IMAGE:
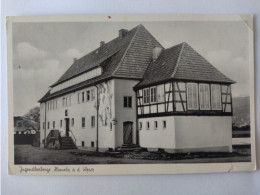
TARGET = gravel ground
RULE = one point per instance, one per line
(26, 154)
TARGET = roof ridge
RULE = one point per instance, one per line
(122, 59)
(178, 60)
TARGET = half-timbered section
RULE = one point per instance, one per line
(184, 100)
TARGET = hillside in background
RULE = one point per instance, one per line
(241, 111)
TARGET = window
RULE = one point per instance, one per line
(83, 122)
(63, 102)
(146, 96)
(43, 125)
(48, 125)
(92, 94)
(92, 144)
(215, 97)
(204, 96)
(153, 95)
(69, 101)
(82, 143)
(128, 102)
(160, 93)
(83, 96)
(60, 123)
(93, 121)
(72, 122)
(53, 124)
(88, 95)
(140, 125)
(155, 125)
(192, 96)
(164, 124)
(148, 125)
(111, 126)
(78, 98)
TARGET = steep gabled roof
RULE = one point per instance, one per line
(126, 57)
(182, 62)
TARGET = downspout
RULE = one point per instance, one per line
(45, 126)
(97, 107)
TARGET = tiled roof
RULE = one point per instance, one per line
(126, 57)
(181, 62)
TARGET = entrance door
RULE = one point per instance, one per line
(67, 121)
(128, 132)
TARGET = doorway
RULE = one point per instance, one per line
(128, 132)
(67, 125)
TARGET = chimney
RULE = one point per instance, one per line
(102, 43)
(122, 33)
(74, 59)
(156, 52)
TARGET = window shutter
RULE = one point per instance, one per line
(215, 97)
(204, 96)
(192, 96)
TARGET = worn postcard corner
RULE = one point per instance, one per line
(134, 94)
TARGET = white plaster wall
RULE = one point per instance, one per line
(124, 88)
(160, 137)
(203, 131)
(77, 111)
(106, 135)
(42, 115)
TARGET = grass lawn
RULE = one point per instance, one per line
(26, 154)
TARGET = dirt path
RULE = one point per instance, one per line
(26, 154)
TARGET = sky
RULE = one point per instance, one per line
(42, 52)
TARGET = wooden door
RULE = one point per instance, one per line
(128, 132)
(67, 121)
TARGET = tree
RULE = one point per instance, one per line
(32, 119)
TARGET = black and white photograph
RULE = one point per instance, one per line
(102, 95)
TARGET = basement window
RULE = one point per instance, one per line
(164, 124)
(155, 125)
(148, 125)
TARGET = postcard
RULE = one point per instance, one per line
(131, 94)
